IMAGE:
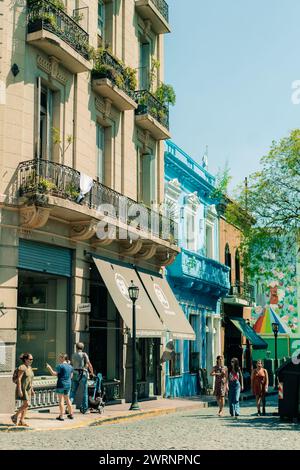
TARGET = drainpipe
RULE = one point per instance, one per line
(75, 84)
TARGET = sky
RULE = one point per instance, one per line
(232, 64)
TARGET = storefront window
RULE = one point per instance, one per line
(42, 320)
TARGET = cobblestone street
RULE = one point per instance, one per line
(195, 429)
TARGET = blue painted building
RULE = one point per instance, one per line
(197, 277)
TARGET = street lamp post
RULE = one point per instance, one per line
(133, 292)
(275, 328)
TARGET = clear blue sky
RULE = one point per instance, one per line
(232, 64)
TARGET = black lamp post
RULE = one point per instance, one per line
(275, 328)
(133, 292)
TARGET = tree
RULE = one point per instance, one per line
(267, 208)
(272, 195)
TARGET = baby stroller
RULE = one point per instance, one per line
(96, 394)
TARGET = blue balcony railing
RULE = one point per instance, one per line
(202, 269)
(180, 155)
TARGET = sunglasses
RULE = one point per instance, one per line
(29, 360)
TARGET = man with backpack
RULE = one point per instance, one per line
(81, 368)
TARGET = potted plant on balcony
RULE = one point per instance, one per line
(72, 191)
(43, 13)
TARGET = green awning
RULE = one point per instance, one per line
(246, 330)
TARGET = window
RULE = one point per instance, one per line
(100, 130)
(45, 114)
(101, 18)
(175, 365)
(194, 353)
(146, 178)
(144, 67)
(42, 318)
(175, 362)
(237, 271)
(228, 260)
(209, 241)
(190, 231)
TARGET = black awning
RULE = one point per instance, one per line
(246, 330)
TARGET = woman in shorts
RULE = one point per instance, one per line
(64, 372)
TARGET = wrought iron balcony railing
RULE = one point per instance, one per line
(39, 178)
(148, 104)
(162, 7)
(109, 67)
(42, 14)
(242, 290)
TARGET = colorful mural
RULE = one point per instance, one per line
(276, 280)
(263, 324)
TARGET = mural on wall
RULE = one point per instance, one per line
(276, 279)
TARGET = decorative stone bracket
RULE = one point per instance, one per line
(131, 248)
(166, 258)
(83, 230)
(147, 251)
(34, 216)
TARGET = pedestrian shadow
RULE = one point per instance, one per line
(268, 422)
(265, 423)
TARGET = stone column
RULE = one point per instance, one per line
(9, 242)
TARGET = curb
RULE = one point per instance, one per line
(109, 420)
(134, 416)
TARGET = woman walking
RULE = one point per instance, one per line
(220, 373)
(259, 386)
(24, 389)
(64, 372)
(236, 385)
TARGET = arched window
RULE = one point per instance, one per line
(237, 271)
(228, 260)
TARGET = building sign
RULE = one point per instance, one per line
(84, 308)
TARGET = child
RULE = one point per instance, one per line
(64, 373)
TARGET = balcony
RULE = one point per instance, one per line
(240, 293)
(179, 157)
(115, 82)
(46, 187)
(201, 274)
(151, 115)
(156, 11)
(54, 32)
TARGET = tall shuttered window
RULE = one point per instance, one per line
(45, 122)
(101, 18)
(100, 153)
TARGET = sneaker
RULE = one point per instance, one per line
(60, 418)
(70, 416)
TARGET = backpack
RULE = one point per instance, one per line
(15, 376)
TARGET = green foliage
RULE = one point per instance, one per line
(268, 207)
(56, 139)
(223, 179)
(273, 193)
(130, 78)
(72, 191)
(123, 76)
(45, 185)
(165, 94)
(155, 65)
